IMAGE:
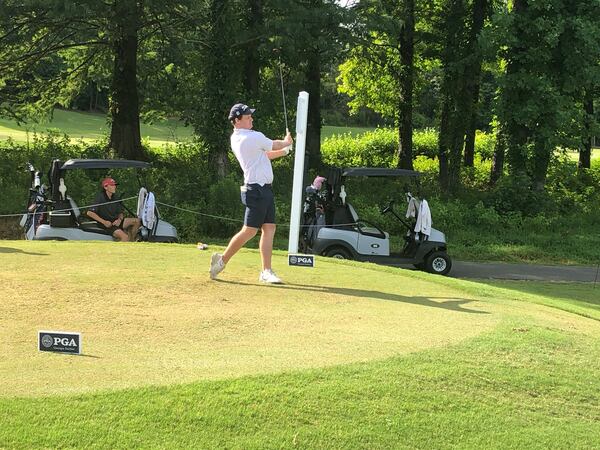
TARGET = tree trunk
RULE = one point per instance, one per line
(454, 106)
(457, 144)
(252, 63)
(469, 159)
(443, 147)
(498, 159)
(125, 137)
(542, 150)
(405, 152)
(313, 129)
(517, 133)
(585, 152)
(210, 122)
(480, 11)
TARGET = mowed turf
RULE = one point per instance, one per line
(149, 315)
(357, 356)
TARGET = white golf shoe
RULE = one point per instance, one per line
(269, 277)
(216, 265)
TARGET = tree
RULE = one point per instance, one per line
(579, 51)
(380, 72)
(35, 37)
(124, 108)
(49, 48)
(530, 100)
(479, 13)
(456, 101)
(310, 38)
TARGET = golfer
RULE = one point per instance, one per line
(254, 151)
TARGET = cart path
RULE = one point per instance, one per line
(533, 272)
(514, 271)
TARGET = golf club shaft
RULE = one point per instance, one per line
(283, 98)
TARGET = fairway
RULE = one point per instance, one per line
(149, 315)
(90, 127)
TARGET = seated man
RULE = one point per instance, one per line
(110, 215)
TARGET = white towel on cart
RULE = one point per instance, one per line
(423, 224)
(148, 216)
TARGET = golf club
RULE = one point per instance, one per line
(283, 97)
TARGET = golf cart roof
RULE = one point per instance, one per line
(378, 172)
(103, 164)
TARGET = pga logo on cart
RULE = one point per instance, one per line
(59, 342)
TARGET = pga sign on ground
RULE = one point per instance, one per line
(301, 260)
(59, 342)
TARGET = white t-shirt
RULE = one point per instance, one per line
(249, 147)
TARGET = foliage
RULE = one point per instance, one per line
(551, 56)
(378, 148)
(508, 222)
(374, 148)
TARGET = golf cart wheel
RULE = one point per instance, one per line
(438, 262)
(338, 253)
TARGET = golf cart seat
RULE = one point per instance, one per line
(91, 226)
(65, 213)
(84, 222)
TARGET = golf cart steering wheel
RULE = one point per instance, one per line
(386, 209)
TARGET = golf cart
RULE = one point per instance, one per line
(331, 227)
(53, 215)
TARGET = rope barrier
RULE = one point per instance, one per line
(212, 216)
(241, 221)
(199, 213)
(72, 209)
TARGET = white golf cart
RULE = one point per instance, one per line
(331, 227)
(54, 215)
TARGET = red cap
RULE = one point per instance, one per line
(108, 182)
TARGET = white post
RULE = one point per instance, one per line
(297, 189)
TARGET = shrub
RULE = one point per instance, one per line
(379, 148)
(425, 143)
(484, 145)
(371, 149)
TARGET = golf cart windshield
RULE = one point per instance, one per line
(58, 169)
(104, 164)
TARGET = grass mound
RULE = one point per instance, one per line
(149, 315)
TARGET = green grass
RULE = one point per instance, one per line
(90, 127)
(574, 156)
(347, 355)
(535, 248)
(93, 126)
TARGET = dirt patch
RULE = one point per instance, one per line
(10, 229)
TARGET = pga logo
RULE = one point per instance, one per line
(61, 342)
(302, 260)
(47, 340)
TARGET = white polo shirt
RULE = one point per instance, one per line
(249, 147)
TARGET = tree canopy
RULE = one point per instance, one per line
(527, 69)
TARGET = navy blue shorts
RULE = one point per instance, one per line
(259, 203)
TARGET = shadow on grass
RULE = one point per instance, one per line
(18, 250)
(453, 305)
